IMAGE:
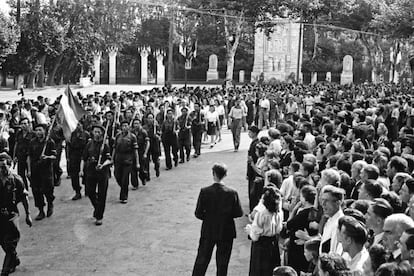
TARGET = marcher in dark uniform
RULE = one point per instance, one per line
(251, 173)
(12, 192)
(184, 134)
(96, 175)
(154, 133)
(77, 143)
(143, 142)
(40, 170)
(169, 139)
(21, 149)
(126, 151)
(197, 125)
(58, 137)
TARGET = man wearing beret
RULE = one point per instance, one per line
(40, 170)
(95, 165)
(12, 191)
(184, 135)
(125, 153)
(197, 123)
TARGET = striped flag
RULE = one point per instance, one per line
(69, 113)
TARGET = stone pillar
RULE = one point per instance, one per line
(212, 73)
(328, 76)
(144, 52)
(112, 52)
(241, 76)
(314, 77)
(347, 76)
(160, 68)
(97, 66)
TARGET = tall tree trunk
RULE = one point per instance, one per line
(170, 71)
(41, 73)
(52, 75)
(232, 41)
(316, 39)
(31, 80)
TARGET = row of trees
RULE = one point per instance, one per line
(58, 38)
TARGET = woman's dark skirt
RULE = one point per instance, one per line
(264, 256)
(211, 128)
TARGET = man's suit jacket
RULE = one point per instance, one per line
(217, 206)
(251, 173)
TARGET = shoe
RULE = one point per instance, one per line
(77, 196)
(94, 214)
(181, 161)
(124, 201)
(195, 155)
(49, 210)
(134, 188)
(211, 146)
(167, 169)
(143, 181)
(148, 179)
(40, 216)
(157, 172)
(98, 222)
(175, 163)
(188, 158)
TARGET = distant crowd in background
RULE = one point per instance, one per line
(330, 180)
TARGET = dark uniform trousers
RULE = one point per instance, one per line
(12, 192)
(143, 167)
(169, 141)
(154, 151)
(205, 250)
(184, 143)
(75, 148)
(96, 182)
(9, 238)
(125, 146)
(41, 178)
(97, 196)
(197, 132)
(22, 169)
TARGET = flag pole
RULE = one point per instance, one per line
(103, 144)
(48, 134)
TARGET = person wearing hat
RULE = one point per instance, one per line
(143, 142)
(12, 192)
(21, 148)
(169, 139)
(78, 140)
(197, 124)
(184, 134)
(125, 153)
(95, 169)
(40, 170)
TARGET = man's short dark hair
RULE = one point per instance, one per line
(410, 185)
(335, 192)
(220, 170)
(410, 240)
(284, 271)
(373, 188)
(353, 229)
(382, 208)
(372, 171)
(399, 163)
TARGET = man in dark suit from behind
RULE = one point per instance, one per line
(217, 206)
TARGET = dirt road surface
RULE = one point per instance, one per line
(156, 233)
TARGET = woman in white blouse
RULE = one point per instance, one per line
(264, 230)
(213, 123)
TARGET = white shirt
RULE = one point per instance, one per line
(276, 146)
(310, 140)
(212, 116)
(265, 223)
(220, 110)
(330, 232)
(356, 265)
(265, 103)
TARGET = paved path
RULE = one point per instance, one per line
(156, 233)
